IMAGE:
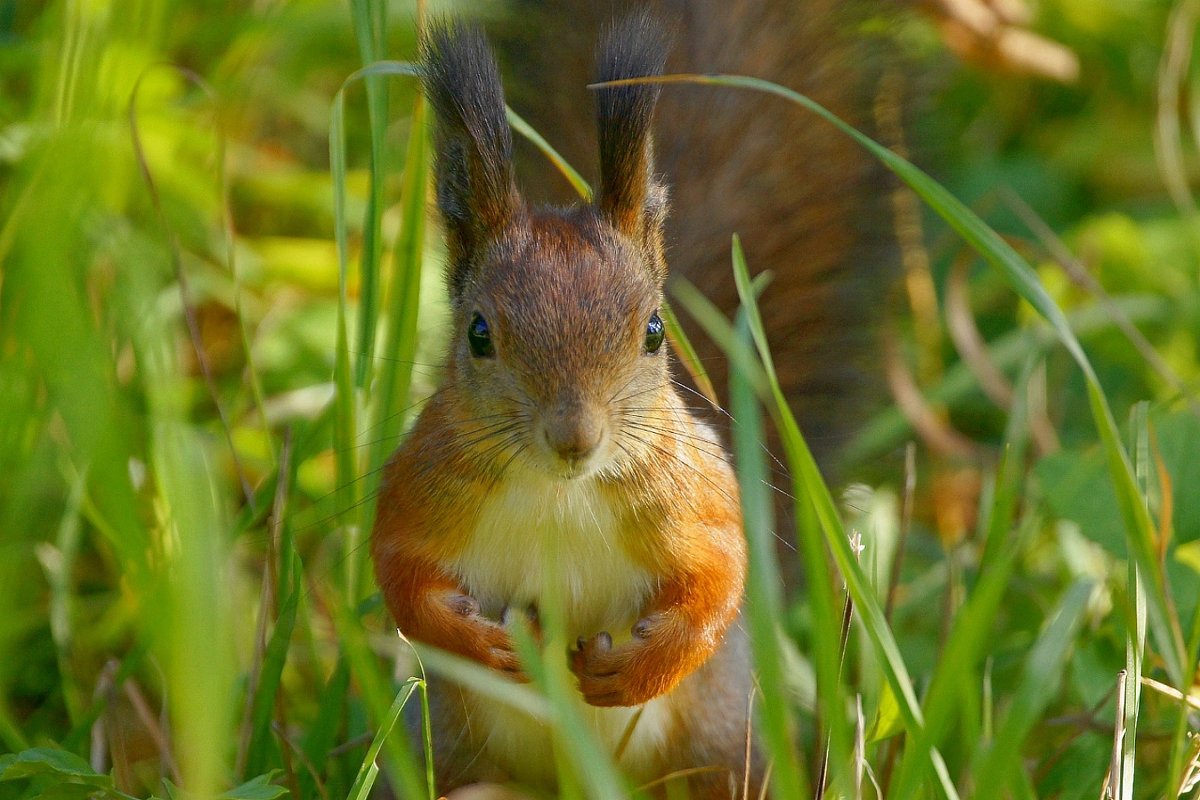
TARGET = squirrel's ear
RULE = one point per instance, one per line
(631, 197)
(476, 188)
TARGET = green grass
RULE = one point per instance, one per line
(186, 600)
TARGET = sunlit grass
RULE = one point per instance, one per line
(158, 628)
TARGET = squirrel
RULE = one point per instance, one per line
(558, 456)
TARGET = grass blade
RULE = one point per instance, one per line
(1135, 641)
(582, 188)
(370, 27)
(764, 600)
(890, 429)
(400, 347)
(808, 479)
(1183, 749)
(807, 476)
(481, 680)
(258, 758)
(361, 790)
(683, 349)
(346, 399)
(375, 688)
(827, 647)
(323, 732)
(585, 769)
(1040, 681)
(972, 626)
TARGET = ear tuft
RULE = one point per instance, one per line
(630, 196)
(476, 187)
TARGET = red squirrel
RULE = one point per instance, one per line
(558, 457)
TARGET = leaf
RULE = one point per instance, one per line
(259, 788)
(888, 721)
(1178, 440)
(1076, 487)
(1189, 555)
(1077, 775)
(65, 790)
(50, 762)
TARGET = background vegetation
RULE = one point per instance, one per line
(218, 303)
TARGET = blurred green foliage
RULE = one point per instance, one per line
(177, 611)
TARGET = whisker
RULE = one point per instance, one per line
(718, 453)
(395, 414)
(683, 462)
(377, 357)
(337, 514)
(779, 468)
(707, 402)
(504, 468)
(508, 420)
(713, 449)
(355, 447)
(730, 417)
(498, 434)
(488, 455)
(624, 386)
(638, 393)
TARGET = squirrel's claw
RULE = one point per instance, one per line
(614, 676)
(497, 651)
(480, 638)
(464, 605)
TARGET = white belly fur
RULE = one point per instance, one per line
(542, 540)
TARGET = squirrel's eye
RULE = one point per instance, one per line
(479, 338)
(654, 333)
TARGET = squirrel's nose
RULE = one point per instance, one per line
(573, 435)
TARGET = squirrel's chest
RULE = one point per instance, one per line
(541, 540)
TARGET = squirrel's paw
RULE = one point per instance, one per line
(528, 616)
(481, 639)
(628, 675)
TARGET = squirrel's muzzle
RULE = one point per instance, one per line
(573, 432)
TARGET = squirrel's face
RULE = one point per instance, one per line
(559, 346)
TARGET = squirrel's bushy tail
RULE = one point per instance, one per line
(809, 205)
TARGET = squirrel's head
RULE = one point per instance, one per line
(557, 352)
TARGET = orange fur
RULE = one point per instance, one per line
(434, 487)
